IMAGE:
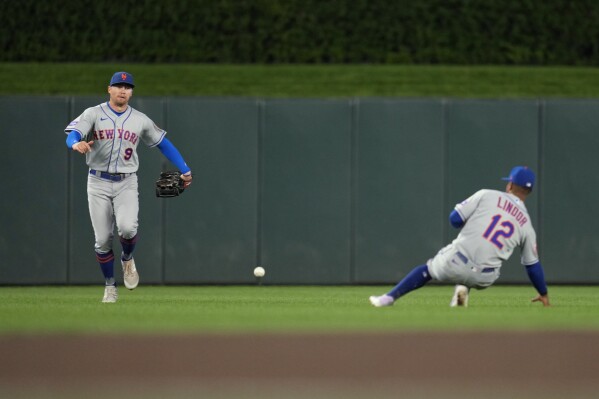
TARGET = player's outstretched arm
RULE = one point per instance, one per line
(537, 278)
(544, 299)
(172, 154)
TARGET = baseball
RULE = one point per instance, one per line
(259, 271)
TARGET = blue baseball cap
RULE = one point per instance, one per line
(521, 176)
(122, 78)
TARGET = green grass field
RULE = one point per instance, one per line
(268, 308)
(305, 80)
(239, 309)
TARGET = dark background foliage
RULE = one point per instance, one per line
(510, 32)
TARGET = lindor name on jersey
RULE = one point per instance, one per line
(512, 209)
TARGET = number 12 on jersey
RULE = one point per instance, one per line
(497, 230)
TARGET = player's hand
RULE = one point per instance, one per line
(544, 299)
(83, 146)
(186, 179)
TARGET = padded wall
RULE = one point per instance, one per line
(33, 207)
(210, 231)
(321, 191)
(399, 188)
(569, 192)
(305, 207)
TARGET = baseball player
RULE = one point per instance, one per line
(108, 134)
(493, 223)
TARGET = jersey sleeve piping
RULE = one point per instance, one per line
(460, 213)
(159, 140)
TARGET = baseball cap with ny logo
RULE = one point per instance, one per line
(122, 78)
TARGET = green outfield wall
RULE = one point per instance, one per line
(337, 191)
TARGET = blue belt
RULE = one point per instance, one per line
(465, 260)
(109, 176)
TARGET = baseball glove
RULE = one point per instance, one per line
(170, 184)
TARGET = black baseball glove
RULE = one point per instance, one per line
(170, 184)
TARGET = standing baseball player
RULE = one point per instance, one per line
(493, 224)
(108, 134)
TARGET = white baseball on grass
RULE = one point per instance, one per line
(259, 271)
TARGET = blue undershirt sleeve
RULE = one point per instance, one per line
(73, 137)
(537, 277)
(455, 219)
(172, 154)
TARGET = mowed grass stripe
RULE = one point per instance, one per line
(242, 309)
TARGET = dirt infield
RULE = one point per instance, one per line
(414, 365)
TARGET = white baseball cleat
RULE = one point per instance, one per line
(460, 296)
(383, 300)
(130, 276)
(110, 294)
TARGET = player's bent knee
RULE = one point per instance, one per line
(127, 228)
(128, 232)
(103, 246)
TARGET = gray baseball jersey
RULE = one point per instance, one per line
(115, 137)
(496, 223)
